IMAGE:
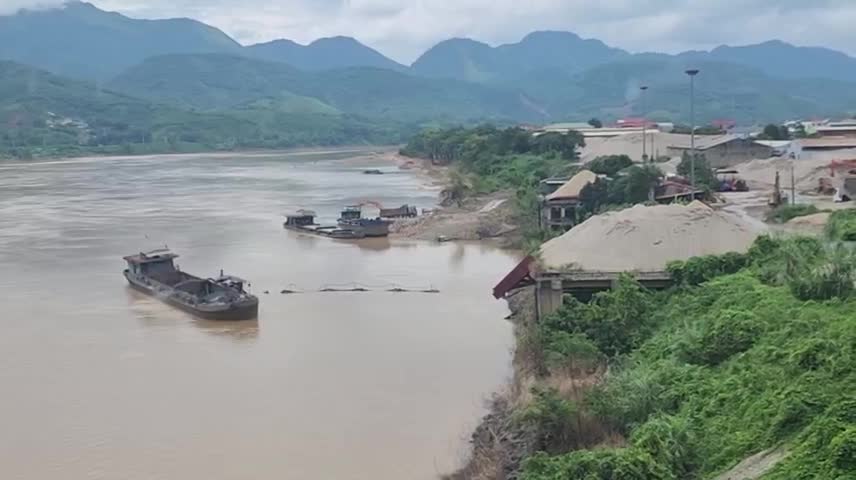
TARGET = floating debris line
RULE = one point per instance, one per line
(356, 288)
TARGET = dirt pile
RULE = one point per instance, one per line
(645, 238)
(474, 219)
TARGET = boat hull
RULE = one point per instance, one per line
(247, 310)
(330, 232)
(366, 227)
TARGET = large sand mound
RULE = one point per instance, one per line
(647, 238)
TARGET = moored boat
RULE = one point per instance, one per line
(223, 298)
(352, 218)
(304, 221)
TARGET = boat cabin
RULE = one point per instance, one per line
(153, 264)
(230, 281)
(352, 213)
(300, 218)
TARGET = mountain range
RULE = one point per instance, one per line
(182, 65)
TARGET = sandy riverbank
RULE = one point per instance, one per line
(477, 217)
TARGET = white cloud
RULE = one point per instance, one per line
(403, 29)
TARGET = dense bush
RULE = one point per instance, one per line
(550, 419)
(811, 269)
(826, 448)
(614, 321)
(740, 367)
(704, 174)
(710, 374)
(671, 442)
(698, 270)
(639, 390)
(725, 334)
(605, 464)
(633, 185)
(842, 225)
(784, 213)
(609, 165)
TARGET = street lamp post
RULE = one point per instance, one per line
(692, 73)
(643, 89)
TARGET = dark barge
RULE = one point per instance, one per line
(223, 298)
(351, 225)
(352, 219)
(304, 221)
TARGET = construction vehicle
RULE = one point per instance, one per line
(845, 186)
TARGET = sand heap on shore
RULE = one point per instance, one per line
(647, 238)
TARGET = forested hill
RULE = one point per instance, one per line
(43, 114)
(215, 81)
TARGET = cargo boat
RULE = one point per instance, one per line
(223, 298)
(304, 221)
(352, 219)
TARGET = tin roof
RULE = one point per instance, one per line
(573, 187)
(829, 142)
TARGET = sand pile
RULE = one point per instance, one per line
(647, 238)
(762, 173)
(808, 170)
(817, 220)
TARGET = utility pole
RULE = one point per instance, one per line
(692, 73)
(793, 185)
(643, 89)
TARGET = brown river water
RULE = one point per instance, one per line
(99, 382)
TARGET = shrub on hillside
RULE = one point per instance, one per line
(698, 270)
(842, 225)
(671, 442)
(603, 464)
(784, 213)
(610, 165)
(638, 391)
(549, 418)
(614, 321)
(722, 336)
(808, 267)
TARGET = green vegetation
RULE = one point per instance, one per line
(622, 187)
(704, 175)
(775, 132)
(610, 165)
(784, 213)
(488, 159)
(748, 353)
(842, 225)
(495, 158)
(215, 81)
(45, 115)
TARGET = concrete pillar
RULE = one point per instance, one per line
(548, 296)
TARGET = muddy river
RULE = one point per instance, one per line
(100, 382)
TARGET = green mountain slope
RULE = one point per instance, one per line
(223, 81)
(473, 61)
(723, 90)
(781, 59)
(82, 41)
(44, 114)
(323, 54)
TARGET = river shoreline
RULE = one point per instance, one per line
(253, 152)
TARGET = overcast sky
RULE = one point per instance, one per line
(403, 29)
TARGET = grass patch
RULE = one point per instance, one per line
(785, 213)
(842, 225)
